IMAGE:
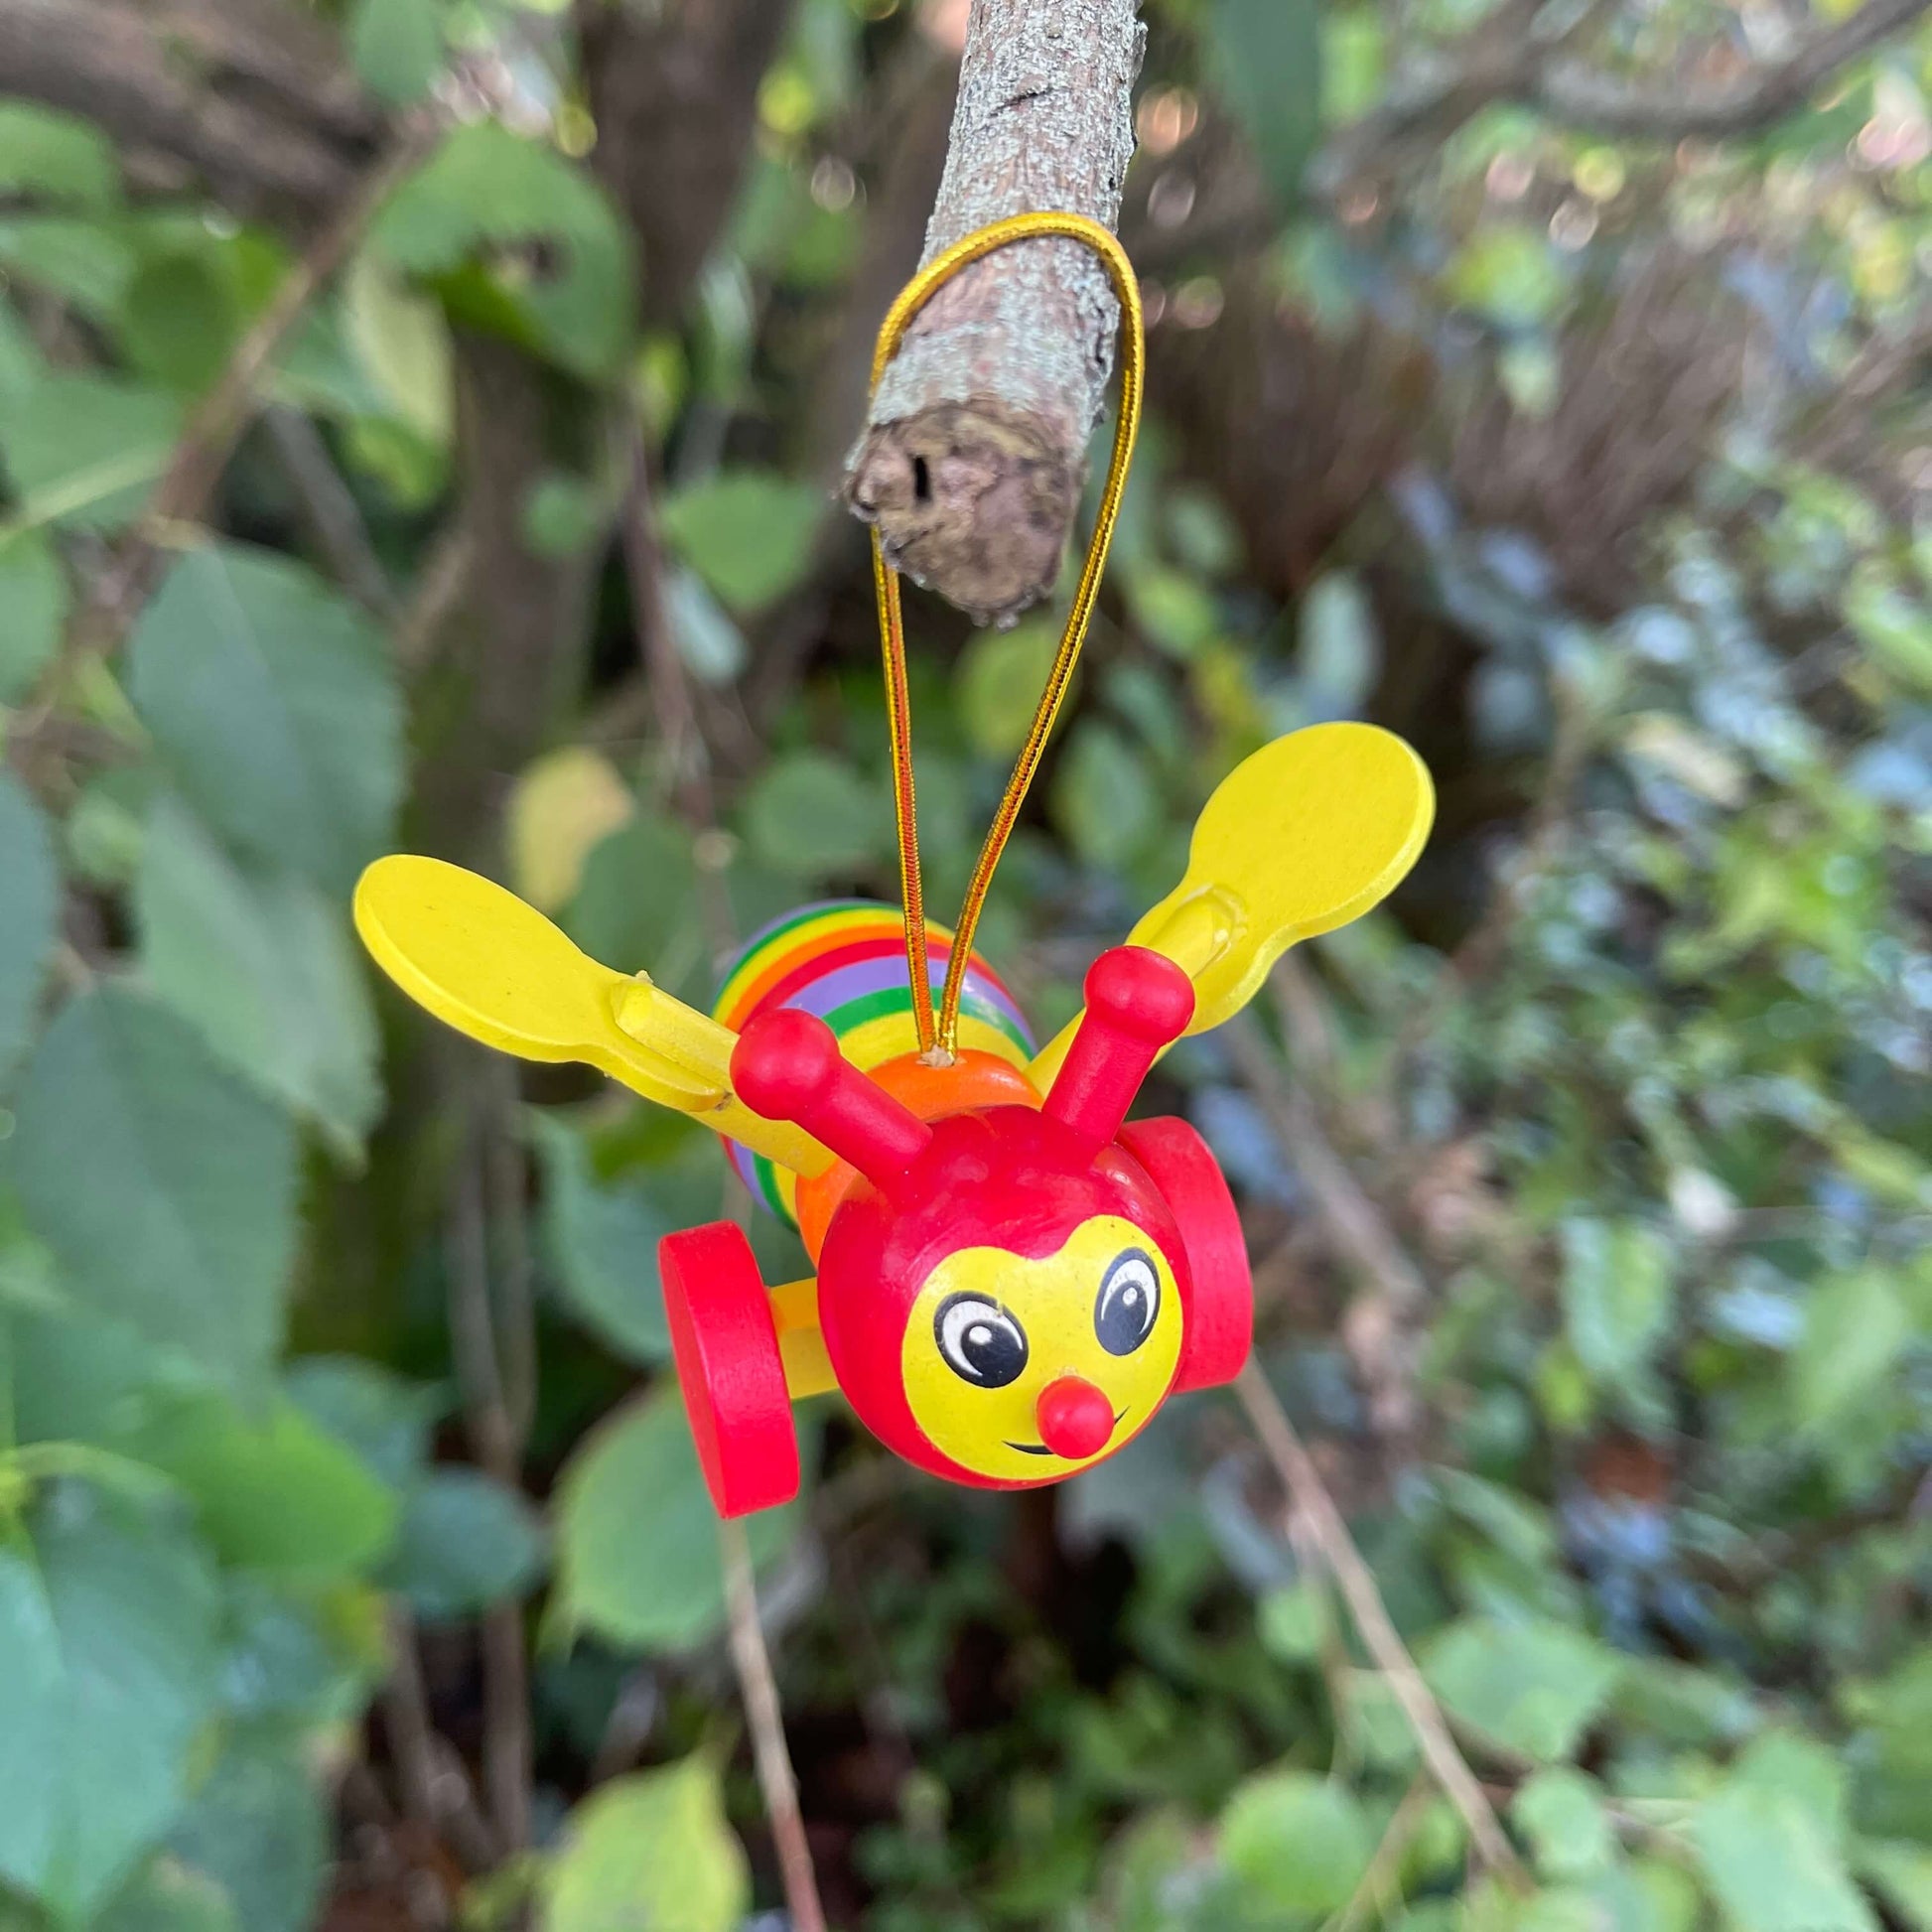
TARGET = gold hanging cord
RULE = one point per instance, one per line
(942, 1041)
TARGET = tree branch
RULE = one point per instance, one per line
(975, 450)
(252, 100)
(1606, 105)
(1508, 59)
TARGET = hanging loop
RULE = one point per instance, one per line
(940, 1042)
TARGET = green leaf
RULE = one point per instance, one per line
(564, 514)
(486, 191)
(259, 1827)
(34, 602)
(107, 1624)
(30, 889)
(1647, 1896)
(603, 1236)
(1902, 1872)
(1353, 58)
(812, 817)
(274, 703)
(1104, 799)
(650, 1852)
(1616, 1292)
(1561, 1813)
(1339, 653)
(1895, 627)
(1296, 1623)
(274, 1493)
(403, 342)
(83, 450)
(82, 263)
(180, 319)
(263, 966)
(21, 362)
(1856, 1326)
(1298, 1842)
(636, 898)
(1001, 676)
(1509, 273)
(1532, 1686)
(636, 1536)
(1772, 1867)
(747, 532)
(466, 1543)
(301, 1653)
(1177, 613)
(1789, 1764)
(397, 48)
(54, 156)
(386, 1420)
(168, 1897)
(709, 642)
(1265, 61)
(1681, 1705)
(164, 1188)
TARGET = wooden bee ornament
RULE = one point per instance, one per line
(1011, 1277)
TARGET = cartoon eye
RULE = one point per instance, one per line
(1128, 1301)
(981, 1342)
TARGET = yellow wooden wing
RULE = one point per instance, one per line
(1302, 837)
(487, 964)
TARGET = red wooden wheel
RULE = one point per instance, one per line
(1222, 1308)
(730, 1368)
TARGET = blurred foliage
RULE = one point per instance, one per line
(1634, 1073)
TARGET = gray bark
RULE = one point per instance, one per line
(250, 98)
(974, 453)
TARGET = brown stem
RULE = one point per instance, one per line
(329, 510)
(975, 446)
(1309, 1495)
(430, 1778)
(217, 425)
(1380, 1319)
(766, 1718)
(496, 1443)
(670, 688)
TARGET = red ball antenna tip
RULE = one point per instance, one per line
(1137, 1003)
(787, 1065)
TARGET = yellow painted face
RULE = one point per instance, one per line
(991, 1330)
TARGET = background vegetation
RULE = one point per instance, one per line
(419, 422)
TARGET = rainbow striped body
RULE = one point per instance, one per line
(845, 961)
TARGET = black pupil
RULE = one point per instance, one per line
(987, 1348)
(1125, 1316)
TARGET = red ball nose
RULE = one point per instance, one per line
(1074, 1418)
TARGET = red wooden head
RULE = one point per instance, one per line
(1008, 1295)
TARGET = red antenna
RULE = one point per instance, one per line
(1138, 1003)
(787, 1065)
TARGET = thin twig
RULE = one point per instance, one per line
(440, 586)
(201, 453)
(498, 1447)
(1488, 942)
(675, 713)
(687, 759)
(434, 1787)
(766, 1718)
(1384, 1865)
(329, 510)
(1309, 1495)
(1380, 1319)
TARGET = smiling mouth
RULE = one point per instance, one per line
(1041, 1448)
